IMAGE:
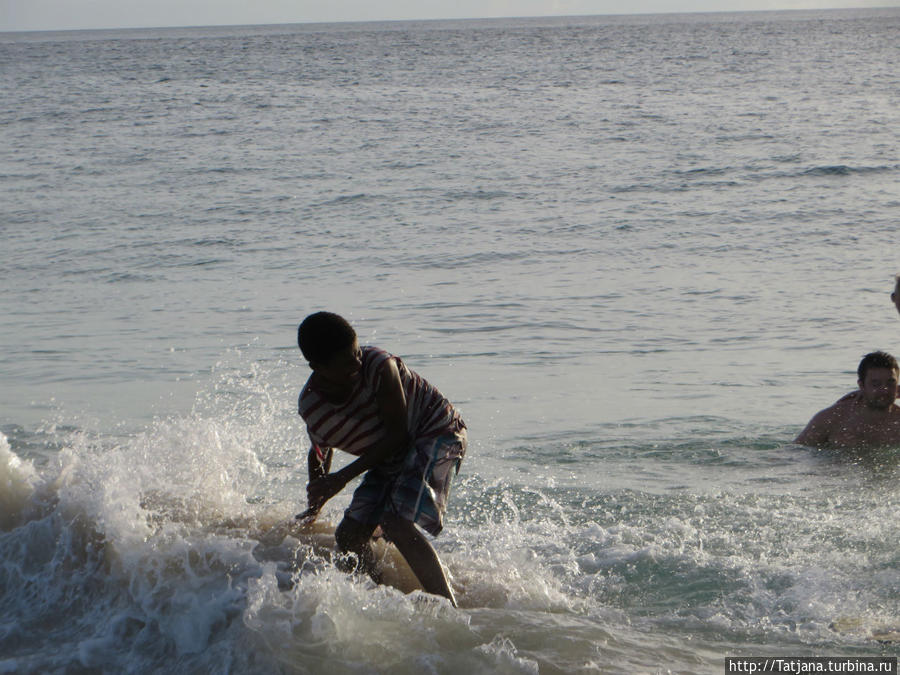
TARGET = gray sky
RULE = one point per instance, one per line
(77, 14)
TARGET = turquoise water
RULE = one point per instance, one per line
(637, 252)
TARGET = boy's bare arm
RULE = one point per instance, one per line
(317, 466)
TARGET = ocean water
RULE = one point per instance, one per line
(637, 252)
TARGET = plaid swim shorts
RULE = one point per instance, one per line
(415, 489)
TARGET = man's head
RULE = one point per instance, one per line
(878, 377)
(328, 342)
(895, 295)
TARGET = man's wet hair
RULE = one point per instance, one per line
(322, 335)
(876, 360)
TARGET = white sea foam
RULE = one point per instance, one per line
(17, 483)
(150, 539)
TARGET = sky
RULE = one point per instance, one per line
(17, 15)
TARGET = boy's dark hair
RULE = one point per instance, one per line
(876, 360)
(322, 335)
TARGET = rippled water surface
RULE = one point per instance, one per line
(637, 252)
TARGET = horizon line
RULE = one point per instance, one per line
(341, 22)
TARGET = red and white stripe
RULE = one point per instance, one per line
(354, 426)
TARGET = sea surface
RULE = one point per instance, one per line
(637, 252)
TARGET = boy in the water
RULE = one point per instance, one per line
(408, 438)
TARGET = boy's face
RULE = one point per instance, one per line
(343, 367)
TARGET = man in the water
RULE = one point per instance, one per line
(408, 439)
(868, 419)
(895, 295)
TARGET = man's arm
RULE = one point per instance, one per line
(818, 432)
(391, 403)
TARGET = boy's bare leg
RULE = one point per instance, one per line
(419, 554)
(352, 536)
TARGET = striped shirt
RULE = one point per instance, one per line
(354, 426)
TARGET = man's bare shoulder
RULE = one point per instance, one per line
(854, 405)
(838, 410)
(844, 405)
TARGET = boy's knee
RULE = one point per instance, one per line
(350, 535)
(394, 526)
(352, 538)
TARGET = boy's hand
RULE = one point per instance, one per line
(320, 490)
(308, 516)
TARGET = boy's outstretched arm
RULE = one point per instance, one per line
(318, 461)
(391, 403)
(318, 464)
